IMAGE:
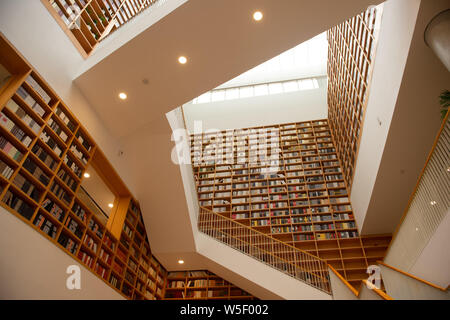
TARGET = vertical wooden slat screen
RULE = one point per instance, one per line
(351, 49)
(428, 206)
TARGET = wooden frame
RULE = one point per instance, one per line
(309, 184)
(95, 20)
(44, 151)
(119, 252)
(351, 51)
(201, 285)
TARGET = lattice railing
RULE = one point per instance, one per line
(279, 255)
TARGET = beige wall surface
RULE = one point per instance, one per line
(31, 267)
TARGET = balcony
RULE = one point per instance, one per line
(88, 22)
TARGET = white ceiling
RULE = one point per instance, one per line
(306, 60)
(221, 41)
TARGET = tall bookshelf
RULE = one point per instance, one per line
(44, 151)
(87, 22)
(201, 285)
(351, 52)
(299, 196)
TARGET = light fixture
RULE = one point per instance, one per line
(448, 169)
(433, 202)
(122, 95)
(86, 175)
(182, 59)
(180, 261)
(257, 16)
(417, 229)
(110, 205)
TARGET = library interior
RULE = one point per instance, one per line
(225, 150)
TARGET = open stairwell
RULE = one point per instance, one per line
(297, 264)
(313, 277)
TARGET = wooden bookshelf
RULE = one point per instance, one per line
(87, 22)
(351, 51)
(44, 151)
(201, 285)
(298, 196)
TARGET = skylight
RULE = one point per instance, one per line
(308, 59)
(294, 70)
(257, 90)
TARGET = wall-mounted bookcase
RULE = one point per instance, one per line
(201, 285)
(44, 151)
(87, 22)
(303, 202)
(351, 51)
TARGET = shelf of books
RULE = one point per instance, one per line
(44, 151)
(201, 285)
(351, 50)
(285, 181)
(142, 276)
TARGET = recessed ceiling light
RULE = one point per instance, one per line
(86, 175)
(110, 205)
(122, 95)
(182, 60)
(257, 16)
(180, 261)
(417, 229)
(433, 202)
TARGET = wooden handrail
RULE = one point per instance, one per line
(405, 213)
(352, 289)
(382, 295)
(264, 251)
(317, 277)
(413, 277)
(274, 239)
(357, 293)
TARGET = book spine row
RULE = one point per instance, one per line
(44, 156)
(6, 171)
(51, 143)
(30, 101)
(86, 258)
(33, 83)
(57, 129)
(14, 129)
(46, 226)
(14, 107)
(90, 243)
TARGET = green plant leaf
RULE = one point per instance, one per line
(444, 100)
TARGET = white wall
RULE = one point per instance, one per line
(402, 287)
(267, 278)
(339, 290)
(259, 111)
(31, 267)
(433, 264)
(397, 27)
(34, 32)
(130, 30)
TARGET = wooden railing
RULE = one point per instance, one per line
(277, 254)
(87, 22)
(427, 207)
(414, 277)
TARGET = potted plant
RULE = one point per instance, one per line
(444, 100)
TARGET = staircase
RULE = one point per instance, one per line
(310, 269)
(279, 255)
(421, 217)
